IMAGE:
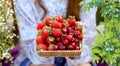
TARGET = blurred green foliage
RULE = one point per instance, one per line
(107, 43)
(7, 34)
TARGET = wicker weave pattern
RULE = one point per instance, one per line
(60, 53)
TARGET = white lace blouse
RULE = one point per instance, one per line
(29, 14)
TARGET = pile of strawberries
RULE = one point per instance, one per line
(56, 33)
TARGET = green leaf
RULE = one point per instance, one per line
(99, 40)
(82, 3)
(103, 53)
(95, 58)
(119, 64)
(117, 51)
(96, 50)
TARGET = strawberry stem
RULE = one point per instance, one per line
(72, 17)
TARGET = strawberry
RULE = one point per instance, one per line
(50, 47)
(65, 23)
(73, 44)
(64, 36)
(76, 33)
(76, 40)
(43, 46)
(70, 47)
(56, 24)
(64, 30)
(69, 29)
(56, 32)
(73, 39)
(55, 47)
(45, 33)
(40, 25)
(39, 40)
(72, 22)
(77, 48)
(69, 37)
(58, 39)
(48, 20)
(59, 18)
(62, 47)
(66, 42)
(80, 36)
(59, 43)
(49, 40)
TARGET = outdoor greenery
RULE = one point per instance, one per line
(107, 43)
(7, 28)
(107, 46)
(109, 9)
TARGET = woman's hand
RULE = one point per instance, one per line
(71, 57)
(31, 64)
(85, 64)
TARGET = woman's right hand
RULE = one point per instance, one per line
(31, 64)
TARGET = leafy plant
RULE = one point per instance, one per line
(109, 9)
(107, 43)
(6, 29)
(107, 46)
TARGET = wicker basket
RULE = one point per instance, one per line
(60, 53)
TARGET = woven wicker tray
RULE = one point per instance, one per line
(60, 53)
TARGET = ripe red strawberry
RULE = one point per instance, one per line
(59, 18)
(40, 25)
(62, 47)
(66, 42)
(55, 47)
(73, 39)
(56, 24)
(45, 33)
(77, 48)
(48, 20)
(73, 44)
(65, 23)
(50, 47)
(49, 40)
(39, 40)
(80, 36)
(43, 46)
(64, 30)
(69, 29)
(58, 39)
(56, 32)
(71, 33)
(76, 40)
(59, 43)
(64, 36)
(70, 47)
(69, 37)
(72, 22)
(76, 33)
